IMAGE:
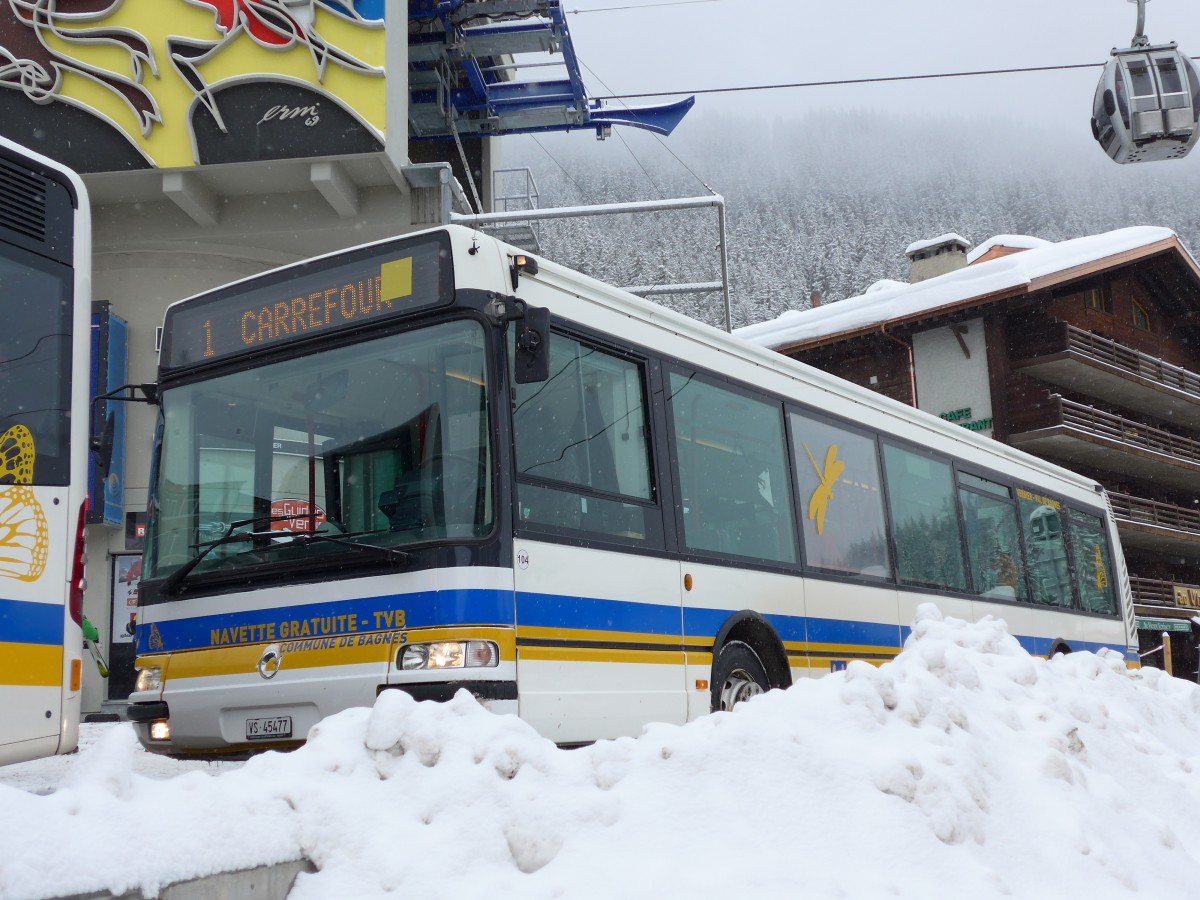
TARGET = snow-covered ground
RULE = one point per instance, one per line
(964, 769)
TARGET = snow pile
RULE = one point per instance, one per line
(965, 768)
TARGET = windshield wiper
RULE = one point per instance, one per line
(305, 538)
(175, 580)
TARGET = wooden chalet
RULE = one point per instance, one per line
(1084, 352)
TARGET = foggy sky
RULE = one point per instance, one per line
(748, 42)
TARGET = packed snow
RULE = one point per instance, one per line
(964, 768)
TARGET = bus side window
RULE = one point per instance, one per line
(1041, 528)
(1093, 567)
(924, 518)
(841, 502)
(581, 441)
(993, 539)
(732, 471)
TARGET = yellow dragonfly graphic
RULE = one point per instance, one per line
(818, 503)
(1101, 570)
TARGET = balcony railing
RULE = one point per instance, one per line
(1126, 431)
(1141, 364)
(1153, 592)
(1151, 512)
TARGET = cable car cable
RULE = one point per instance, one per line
(851, 81)
(592, 72)
(583, 195)
(639, 7)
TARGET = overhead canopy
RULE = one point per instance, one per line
(491, 67)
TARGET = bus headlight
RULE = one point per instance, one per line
(149, 679)
(449, 655)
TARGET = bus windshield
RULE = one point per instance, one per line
(312, 460)
(35, 370)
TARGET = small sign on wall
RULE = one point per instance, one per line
(965, 418)
(1187, 596)
(126, 579)
(135, 531)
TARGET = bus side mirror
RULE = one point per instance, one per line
(102, 443)
(532, 361)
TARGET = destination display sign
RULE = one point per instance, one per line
(317, 298)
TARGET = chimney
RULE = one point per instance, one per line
(814, 300)
(929, 259)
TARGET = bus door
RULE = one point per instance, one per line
(599, 624)
(736, 526)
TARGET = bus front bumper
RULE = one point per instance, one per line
(147, 712)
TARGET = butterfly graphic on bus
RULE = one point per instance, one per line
(24, 531)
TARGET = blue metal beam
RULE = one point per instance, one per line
(659, 119)
(467, 61)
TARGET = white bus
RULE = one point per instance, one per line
(45, 294)
(435, 463)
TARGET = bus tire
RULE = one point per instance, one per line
(737, 675)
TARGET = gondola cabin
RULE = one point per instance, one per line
(1147, 105)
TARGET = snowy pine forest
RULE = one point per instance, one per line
(828, 203)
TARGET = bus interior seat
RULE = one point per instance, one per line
(406, 505)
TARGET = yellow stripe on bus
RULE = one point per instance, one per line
(31, 665)
(590, 635)
(316, 653)
(244, 660)
(852, 651)
(602, 655)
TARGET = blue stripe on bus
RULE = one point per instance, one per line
(422, 609)
(591, 614)
(840, 631)
(489, 607)
(798, 629)
(1040, 646)
(31, 623)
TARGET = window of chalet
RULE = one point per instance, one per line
(1141, 318)
(1096, 297)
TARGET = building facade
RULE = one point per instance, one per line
(1086, 353)
(222, 138)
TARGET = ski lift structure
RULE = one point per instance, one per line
(1148, 101)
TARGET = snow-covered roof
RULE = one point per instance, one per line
(1012, 241)
(948, 238)
(1011, 273)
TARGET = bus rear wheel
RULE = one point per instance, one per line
(738, 674)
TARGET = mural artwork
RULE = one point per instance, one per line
(107, 85)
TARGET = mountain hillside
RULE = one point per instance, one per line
(829, 202)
